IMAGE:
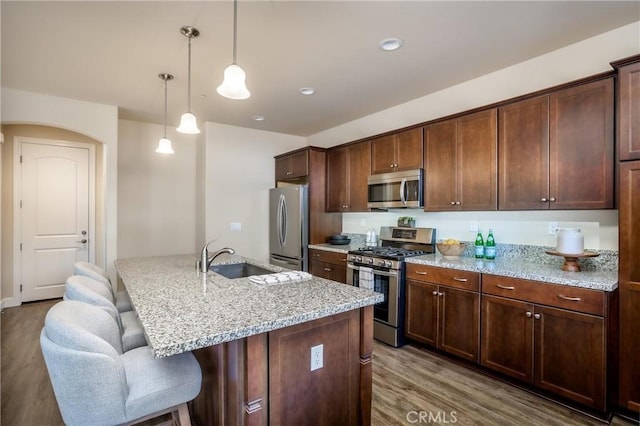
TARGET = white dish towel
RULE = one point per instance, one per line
(365, 278)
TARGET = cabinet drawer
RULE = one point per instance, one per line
(328, 257)
(450, 277)
(328, 271)
(561, 296)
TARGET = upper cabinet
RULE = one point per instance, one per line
(556, 151)
(398, 151)
(292, 166)
(628, 108)
(348, 168)
(460, 163)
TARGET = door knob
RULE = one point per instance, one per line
(84, 232)
(83, 241)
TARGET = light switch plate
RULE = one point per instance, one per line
(236, 226)
(552, 228)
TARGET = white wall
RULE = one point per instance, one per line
(239, 170)
(97, 121)
(600, 227)
(156, 192)
(582, 59)
(576, 61)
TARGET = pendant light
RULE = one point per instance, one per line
(233, 86)
(164, 144)
(188, 123)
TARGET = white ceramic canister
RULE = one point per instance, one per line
(570, 241)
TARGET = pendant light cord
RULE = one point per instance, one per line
(189, 79)
(165, 107)
(235, 28)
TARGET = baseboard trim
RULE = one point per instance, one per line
(9, 302)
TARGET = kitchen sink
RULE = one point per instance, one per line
(239, 270)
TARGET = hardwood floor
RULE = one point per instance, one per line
(410, 386)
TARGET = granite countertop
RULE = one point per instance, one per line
(526, 262)
(182, 309)
(605, 280)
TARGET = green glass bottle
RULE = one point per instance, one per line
(490, 246)
(479, 245)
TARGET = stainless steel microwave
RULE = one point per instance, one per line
(395, 190)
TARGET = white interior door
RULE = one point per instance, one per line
(56, 198)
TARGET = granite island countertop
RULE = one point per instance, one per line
(182, 309)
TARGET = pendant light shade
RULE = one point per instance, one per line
(233, 86)
(164, 144)
(188, 122)
(164, 147)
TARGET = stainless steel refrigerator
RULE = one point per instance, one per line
(289, 226)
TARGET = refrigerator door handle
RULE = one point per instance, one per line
(282, 220)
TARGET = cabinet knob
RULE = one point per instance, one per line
(458, 203)
(327, 269)
(528, 314)
(543, 200)
(537, 316)
(553, 200)
(440, 293)
(435, 293)
(453, 203)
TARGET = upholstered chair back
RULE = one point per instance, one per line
(81, 346)
(88, 290)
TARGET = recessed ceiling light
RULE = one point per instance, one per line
(307, 91)
(258, 117)
(390, 44)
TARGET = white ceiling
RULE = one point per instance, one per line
(111, 52)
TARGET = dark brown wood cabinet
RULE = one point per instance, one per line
(265, 379)
(293, 165)
(523, 145)
(460, 158)
(629, 278)
(443, 309)
(397, 151)
(309, 166)
(556, 151)
(628, 108)
(348, 168)
(328, 264)
(559, 348)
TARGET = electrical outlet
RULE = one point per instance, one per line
(317, 361)
(473, 226)
(236, 226)
(552, 228)
(363, 222)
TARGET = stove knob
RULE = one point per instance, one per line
(370, 261)
(387, 263)
(358, 259)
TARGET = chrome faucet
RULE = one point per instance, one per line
(205, 260)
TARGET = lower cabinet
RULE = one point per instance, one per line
(443, 309)
(328, 264)
(559, 350)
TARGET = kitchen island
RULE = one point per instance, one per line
(254, 341)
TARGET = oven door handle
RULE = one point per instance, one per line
(375, 271)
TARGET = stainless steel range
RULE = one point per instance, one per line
(382, 269)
